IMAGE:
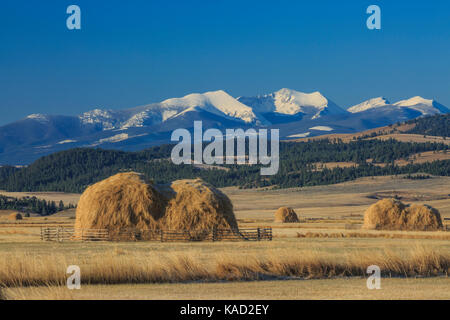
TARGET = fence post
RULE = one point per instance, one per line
(214, 233)
(162, 235)
(259, 234)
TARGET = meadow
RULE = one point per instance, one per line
(325, 255)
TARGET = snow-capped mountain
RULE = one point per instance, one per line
(218, 102)
(424, 106)
(106, 119)
(291, 102)
(38, 117)
(419, 104)
(369, 104)
(294, 113)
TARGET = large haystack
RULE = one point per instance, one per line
(15, 216)
(127, 202)
(195, 205)
(122, 202)
(391, 214)
(285, 215)
(424, 217)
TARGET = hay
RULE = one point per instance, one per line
(424, 217)
(391, 214)
(286, 215)
(15, 216)
(121, 202)
(127, 202)
(195, 205)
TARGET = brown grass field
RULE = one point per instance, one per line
(423, 157)
(395, 132)
(324, 256)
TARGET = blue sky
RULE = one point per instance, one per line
(130, 53)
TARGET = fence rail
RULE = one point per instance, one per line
(71, 234)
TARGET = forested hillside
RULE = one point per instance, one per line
(437, 125)
(74, 170)
(32, 205)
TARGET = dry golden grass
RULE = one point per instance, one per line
(428, 156)
(347, 198)
(49, 196)
(6, 213)
(319, 166)
(404, 137)
(384, 133)
(15, 216)
(20, 270)
(14, 231)
(160, 266)
(417, 158)
(339, 288)
(3, 295)
(443, 236)
(37, 293)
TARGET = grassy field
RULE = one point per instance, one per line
(330, 289)
(327, 243)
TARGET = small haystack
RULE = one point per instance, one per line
(195, 205)
(15, 216)
(122, 202)
(285, 215)
(392, 214)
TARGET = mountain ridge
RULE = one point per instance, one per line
(294, 113)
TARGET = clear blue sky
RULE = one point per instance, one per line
(130, 53)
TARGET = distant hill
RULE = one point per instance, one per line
(436, 125)
(73, 170)
(435, 128)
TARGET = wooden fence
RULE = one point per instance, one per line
(71, 234)
(65, 234)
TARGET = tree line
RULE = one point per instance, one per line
(73, 170)
(32, 205)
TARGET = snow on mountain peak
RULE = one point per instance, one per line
(285, 102)
(290, 102)
(369, 104)
(217, 102)
(99, 116)
(414, 101)
(425, 106)
(38, 117)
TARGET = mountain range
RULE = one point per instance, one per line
(295, 113)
